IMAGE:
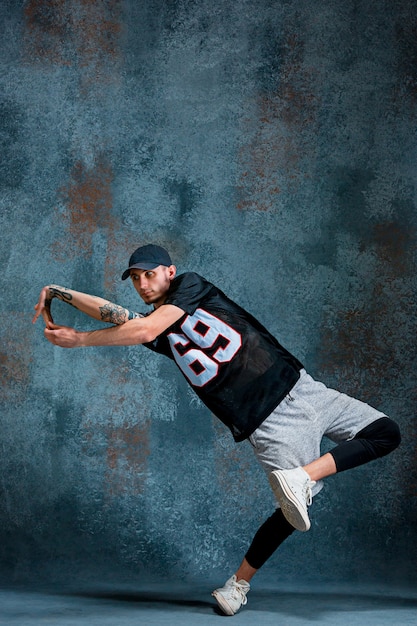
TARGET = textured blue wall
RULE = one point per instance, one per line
(271, 147)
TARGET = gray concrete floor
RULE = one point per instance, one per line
(119, 605)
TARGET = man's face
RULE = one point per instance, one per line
(153, 285)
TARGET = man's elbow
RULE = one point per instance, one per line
(141, 331)
(147, 336)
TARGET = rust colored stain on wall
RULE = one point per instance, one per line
(127, 455)
(407, 63)
(120, 437)
(126, 449)
(15, 358)
(364, 343)
(87, 204)
(273, 156)
(47, 28)
(366, 350)
(68, 32)
(229, 462)
(392, 242)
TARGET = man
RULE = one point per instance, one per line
(248, 380)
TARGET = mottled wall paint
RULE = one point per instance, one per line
(272, 149)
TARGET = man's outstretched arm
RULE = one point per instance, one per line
(94, 306)
(132, 332)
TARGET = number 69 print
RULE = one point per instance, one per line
(202, 331)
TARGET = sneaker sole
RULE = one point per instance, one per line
(225, 606)
(295, 515)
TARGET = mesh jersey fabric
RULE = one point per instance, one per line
(236, 367)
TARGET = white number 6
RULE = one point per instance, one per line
(204, 330)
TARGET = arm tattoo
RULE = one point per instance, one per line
(114, 313)
(60, 293)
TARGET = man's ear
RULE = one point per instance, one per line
(172, 272)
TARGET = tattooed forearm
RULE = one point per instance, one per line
(60, 293)
(94, 306)
(115, 314)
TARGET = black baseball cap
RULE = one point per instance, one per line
(147, 258)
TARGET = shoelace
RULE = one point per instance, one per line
(307, 491)
(239, 593)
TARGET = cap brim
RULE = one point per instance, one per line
(139, 266)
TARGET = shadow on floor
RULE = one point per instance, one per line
(188, 604)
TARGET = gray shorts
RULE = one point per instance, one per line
(291, 436)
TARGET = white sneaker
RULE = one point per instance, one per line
(232, 596)
(292, 489)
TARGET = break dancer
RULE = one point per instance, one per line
(248, 380)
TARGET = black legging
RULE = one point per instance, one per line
(372, 442)
(376, 440)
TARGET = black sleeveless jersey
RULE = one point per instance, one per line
(236, 367)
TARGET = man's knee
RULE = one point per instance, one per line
(384, 435)
(391, 436)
